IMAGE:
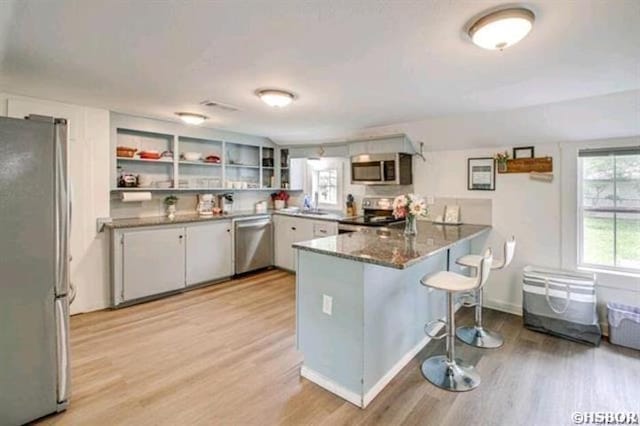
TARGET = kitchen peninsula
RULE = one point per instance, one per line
(360, 308)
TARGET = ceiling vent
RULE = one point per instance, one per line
(219, 105)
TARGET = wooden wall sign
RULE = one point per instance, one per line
(526, 165)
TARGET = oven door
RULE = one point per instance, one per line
(377, 169)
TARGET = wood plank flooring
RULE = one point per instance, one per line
(225, 355)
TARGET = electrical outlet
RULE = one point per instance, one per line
(327, 304)
(430, 200)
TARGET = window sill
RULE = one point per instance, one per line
(598, 270)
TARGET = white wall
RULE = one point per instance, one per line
(89, 171)
(529, 209)
(522, 207)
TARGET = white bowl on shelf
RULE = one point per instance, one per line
(191, 156)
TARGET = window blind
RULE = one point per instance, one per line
(604, 152)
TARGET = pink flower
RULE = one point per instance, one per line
(399, 213)
(400, 202)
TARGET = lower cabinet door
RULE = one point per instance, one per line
(283, 238)
(208, 252)
(153, 262)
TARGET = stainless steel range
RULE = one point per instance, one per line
(377, 212)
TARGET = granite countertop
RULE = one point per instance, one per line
(391, 248)
(194, 217)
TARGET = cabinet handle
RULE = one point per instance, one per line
(180, 236)
(228, 230)
(293, 228)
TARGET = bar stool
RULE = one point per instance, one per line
(446, 371)
(477, 335)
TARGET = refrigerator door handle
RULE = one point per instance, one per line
(62, 339)
(62, 202)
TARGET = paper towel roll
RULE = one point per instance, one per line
(128, 197)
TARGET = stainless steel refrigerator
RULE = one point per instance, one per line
(34, 268)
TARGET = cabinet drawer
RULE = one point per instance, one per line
(324, 229)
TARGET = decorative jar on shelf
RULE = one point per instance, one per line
(501, 158)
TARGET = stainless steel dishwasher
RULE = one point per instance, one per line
(253, 244)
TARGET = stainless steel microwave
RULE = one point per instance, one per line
(381, 169)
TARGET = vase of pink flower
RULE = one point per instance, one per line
(409, 207)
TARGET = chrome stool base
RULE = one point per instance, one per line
(479, 337)
(456, 376)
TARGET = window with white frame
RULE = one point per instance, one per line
(325, 183)
(324, 177)
(609, 208)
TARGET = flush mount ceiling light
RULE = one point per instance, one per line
(275, 98)
(501, 29)
(191, 118)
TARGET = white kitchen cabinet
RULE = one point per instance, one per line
(381, 145)
(297, 173)
(209, 248)
(290, 230)
(153, 262)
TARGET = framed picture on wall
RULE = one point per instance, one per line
(481, 174)
(523, 152)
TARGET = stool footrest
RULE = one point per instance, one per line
(430, 324)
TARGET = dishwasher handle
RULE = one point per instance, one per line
(251, 224)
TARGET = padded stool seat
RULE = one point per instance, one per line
(470, 261)
(450, 281)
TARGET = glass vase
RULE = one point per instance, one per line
(410, 226)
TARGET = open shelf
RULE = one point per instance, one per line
(199, 163)
(145, 160)
(242, 166)
(192, 189)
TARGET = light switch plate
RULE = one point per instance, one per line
(327, 304)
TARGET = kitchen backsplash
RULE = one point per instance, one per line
(478, 211)
(244, 200)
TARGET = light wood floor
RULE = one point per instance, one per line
(225, 355)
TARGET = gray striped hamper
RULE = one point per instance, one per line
(560, 303)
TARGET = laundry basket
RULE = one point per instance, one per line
(560, 303)
(624, 325)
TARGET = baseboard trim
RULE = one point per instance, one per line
(498, 305)
(331, 386)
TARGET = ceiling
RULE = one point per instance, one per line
(353, 64)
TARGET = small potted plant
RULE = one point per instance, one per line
(409, 207)
(170, 202)
(501, 158)
(280, 199)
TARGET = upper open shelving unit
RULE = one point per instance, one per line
(189, 159)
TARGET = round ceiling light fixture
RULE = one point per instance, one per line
(501, 29)
(191, 118)
(275, 98)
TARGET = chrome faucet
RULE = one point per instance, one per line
(315, 201)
